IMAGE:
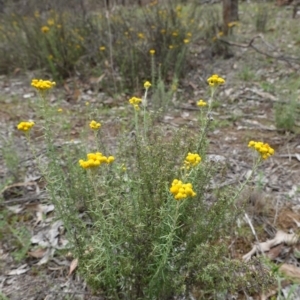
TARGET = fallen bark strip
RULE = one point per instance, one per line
(280, 237)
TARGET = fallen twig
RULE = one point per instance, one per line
(287, 59)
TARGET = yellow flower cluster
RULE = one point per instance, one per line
(201, 103)
(50, 22)
(181, 190)
(25, 126)
(192, 160)
(263, 149)
(232, 24)
(95, 160)
(42, 85)
(147, 84)
(45, 29)
(94, 125)
(141, 36)
(134, 101)
(215, 80)
(152, 51)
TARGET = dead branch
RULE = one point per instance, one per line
(287, 59)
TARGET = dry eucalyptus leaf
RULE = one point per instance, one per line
(48, 254)
(73, 266)
(275, 251)
(37, 253)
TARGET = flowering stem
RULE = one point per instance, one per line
(208, 119)
(144, 112)
(152, 70)
(136, 121)
(107, 14)
(213, 90)
(204, 129)
(33, 150)
(47, 127)
(96, 139)
(91, 177)
(255, 166)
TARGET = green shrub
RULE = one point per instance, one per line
(262, 16)
(114, 44)
(146, 223)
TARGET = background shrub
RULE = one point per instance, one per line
(87, 39)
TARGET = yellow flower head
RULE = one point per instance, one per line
(134, 101)
(171, 46)
(174, 87)
(45, 29)
(201, 103)
(110, 159)
(147, 84)
(186, 41)
(102, 48)
(94, 125)
(192, 160)
(25, 126)
(215, 80)
(264, 149)
(233, 24)
(59, 110)
(50, 22)
(178, 8)
(42, 85)
(141, 36)
(181, 190)
(152, 51)
(153, 3)
(95, 160)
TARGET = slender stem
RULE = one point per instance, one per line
(136, 121)
(144, 112)
(212, 94)
(207, 121)
(152, 70)
(256, 164)
(110, 47)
